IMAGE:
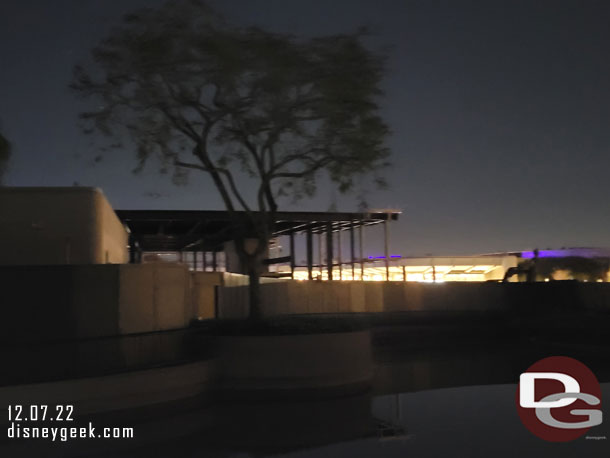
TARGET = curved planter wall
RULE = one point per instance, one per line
(332, 361)
(116, 392)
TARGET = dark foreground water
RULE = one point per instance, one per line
(432, 401)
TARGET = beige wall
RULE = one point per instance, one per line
(154, 297)
(113, 240)
(204, 293)
(45, 226)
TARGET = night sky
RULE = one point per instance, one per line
(500, 113)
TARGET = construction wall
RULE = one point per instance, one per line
(154, 297)
(204, 285)
(45, 226)
(342, 297)
(206, 288)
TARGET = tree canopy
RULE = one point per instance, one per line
(197, 93)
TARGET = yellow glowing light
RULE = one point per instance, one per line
(414, 273)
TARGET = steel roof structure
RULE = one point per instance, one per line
(194, 230)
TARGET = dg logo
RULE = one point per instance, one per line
(559, 399)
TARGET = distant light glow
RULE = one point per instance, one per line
(393, 256)
(375, 271)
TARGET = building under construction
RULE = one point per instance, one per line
(53, 226)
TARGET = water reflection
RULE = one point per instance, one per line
(274, 426)
(405, 369)
(477, 421)
(442, 402)
(431, 402)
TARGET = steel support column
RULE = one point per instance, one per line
(309, 241)
(329, 250)
(292, 263)
(386, 249)
(351, 249)
(361, 240)
(339, 260)
(320, 260)
(132, 249)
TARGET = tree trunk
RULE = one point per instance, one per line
(251, 257)
(254, 294)
(251, 263)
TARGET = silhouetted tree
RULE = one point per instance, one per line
(578, 268)
(200, 94)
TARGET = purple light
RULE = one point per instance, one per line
(579, 252)
(542, 254)
(393, 256)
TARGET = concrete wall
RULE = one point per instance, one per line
(342, 297)
(63, 302)
(44, 226)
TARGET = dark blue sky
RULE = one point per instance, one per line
(500, 112)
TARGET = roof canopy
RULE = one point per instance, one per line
(193, 230)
